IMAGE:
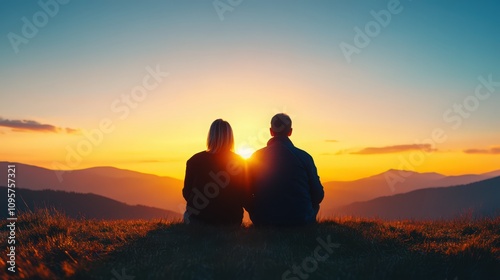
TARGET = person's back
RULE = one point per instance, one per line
(284, 181)
(214, 188)
(214, 185)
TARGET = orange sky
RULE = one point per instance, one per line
(152, 77)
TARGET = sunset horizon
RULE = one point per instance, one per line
(59, 173)
(369, 86)
(238, 139)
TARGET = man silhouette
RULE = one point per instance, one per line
(284, 183)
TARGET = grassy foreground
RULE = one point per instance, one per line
(52, 246)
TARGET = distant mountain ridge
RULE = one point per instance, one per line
(391, 182)
(89, 206)
(126, 186)
(479, 199)
(135, 188)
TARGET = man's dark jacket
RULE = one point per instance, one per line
(285, 185)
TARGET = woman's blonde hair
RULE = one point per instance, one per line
(220, 137)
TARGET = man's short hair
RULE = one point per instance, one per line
(281, 124)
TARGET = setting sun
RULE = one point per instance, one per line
(245, 152)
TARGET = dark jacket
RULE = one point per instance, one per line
(214, 188)
(285, 185)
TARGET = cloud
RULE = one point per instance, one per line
(159, 161)
(338, 153)
(30, 125)
(72, 130)
(394, 149)
(490, 151)
(146, 161)
(343, 152)
(331, 141)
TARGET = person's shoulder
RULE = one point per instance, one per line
(197, 157)
(235, 157)
(258, 154)
(235, 164)
(261, 151)
(303, 153)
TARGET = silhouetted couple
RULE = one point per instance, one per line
(278, 185)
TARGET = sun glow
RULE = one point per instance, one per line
(245, 152)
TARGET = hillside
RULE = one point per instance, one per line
(89, 206)
(123, 185)
(165, 192)
(52, 246)
(391, 182)
(477, 199)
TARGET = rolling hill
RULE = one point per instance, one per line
(391, 182)
(53, 246)
(123, 185)
(480, 199)
(165, 192)
(90, 206)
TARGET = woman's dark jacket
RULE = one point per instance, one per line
(215, 188)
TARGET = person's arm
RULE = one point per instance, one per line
(247, 193)
(316, 189)
(249, 176)
(188, 181)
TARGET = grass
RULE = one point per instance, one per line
(52, 246)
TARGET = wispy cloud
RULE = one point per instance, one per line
(146, 161)
(72, 130)
(343, 152)
(166, 160)
(490, 151)
(393, 149)
(31, 125)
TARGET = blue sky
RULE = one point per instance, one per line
(264, 55)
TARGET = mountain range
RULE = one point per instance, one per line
(391, 182)
(126, 186)
(135, 188)
(479, 199)
(88, 206)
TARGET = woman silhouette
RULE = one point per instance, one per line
(214, 186)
